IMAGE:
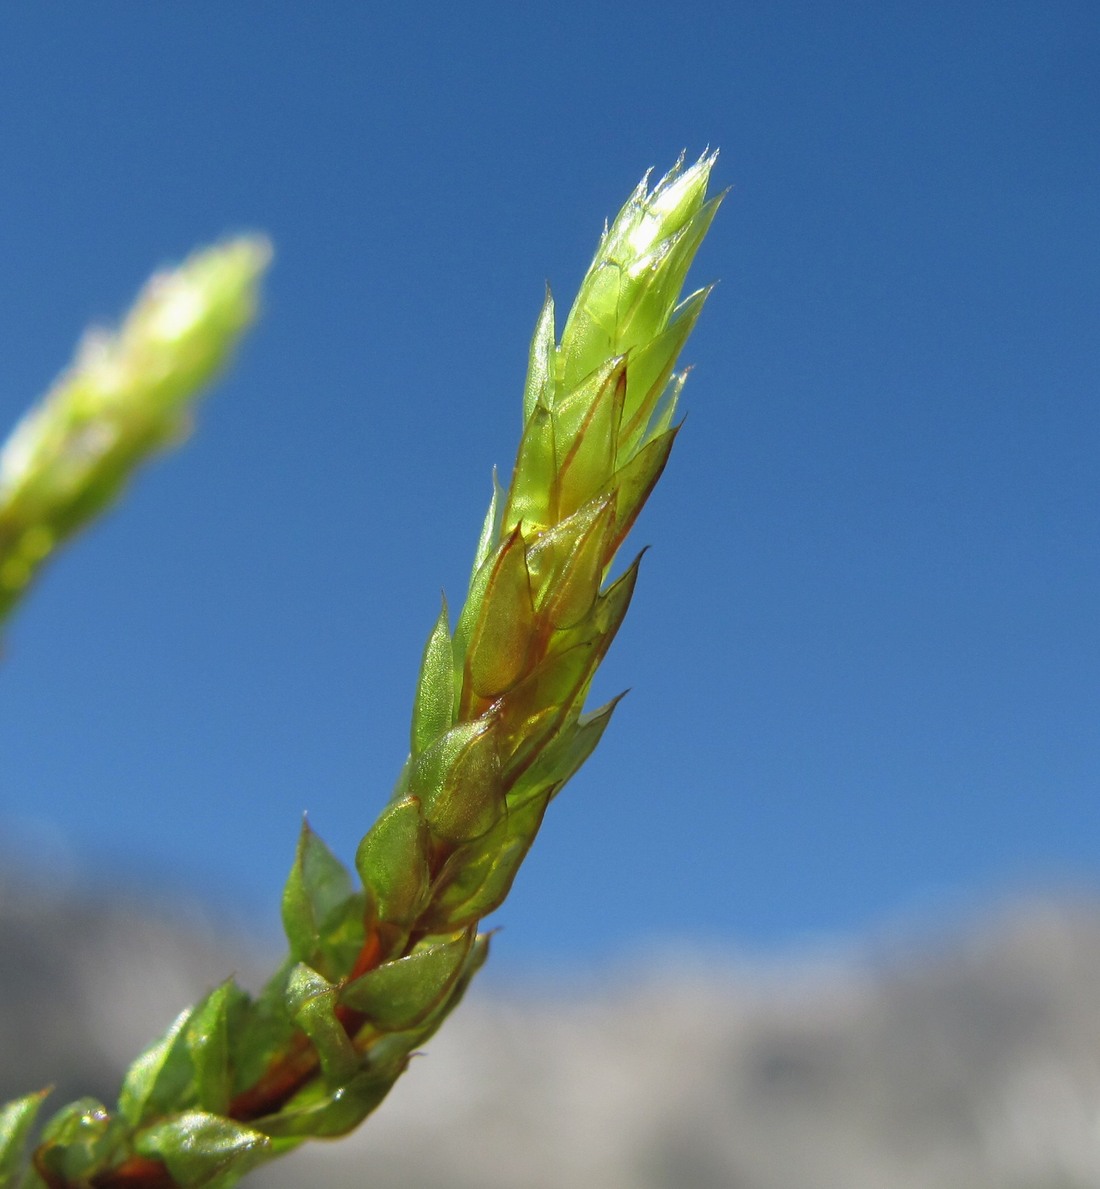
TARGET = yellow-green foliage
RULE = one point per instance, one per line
(498, 722)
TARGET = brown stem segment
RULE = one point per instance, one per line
(136, 1173)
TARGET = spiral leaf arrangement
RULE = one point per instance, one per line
(498, 727)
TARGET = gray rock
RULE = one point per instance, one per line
(937, 1063)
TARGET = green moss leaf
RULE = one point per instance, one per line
(207, 1035)
(631, 286)
(646, 313)
(476, 878)
(490, 530)
(16, 1120)
(79, 1140)
(311, 1002)
(322, 1113)
(649, 373)
(392, 861)
(459, 783)
(561, 759)
(262, 1029)
(322, 914)
(400, 994)
(158, 1080)
(533, 713)
(566, 563)
(202, 1149)
(501, 637)
(633, 482)
(531, 490)
(539, 388)
(434, 688)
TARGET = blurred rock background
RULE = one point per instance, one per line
(965, 1057)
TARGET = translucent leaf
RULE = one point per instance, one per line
(160, 1077)
(322, 915)
(78, 1141)
(490, 529)
(678, 194)
(202, 1149)
(459, 782)
(467, 619)
(651, 216)
(494, 888)
(476, 878)
(591, 330)
(311, 1001)
(589, 461)
(322, 1113)
(471, 964)
(661, 422)
(567, 563)
(532, 485)
(578, 585)
(631, 287)
(16, 1120)
(207, 1036)
(651, 305)
(575, 404)
(539, 388)
(611, 607)
(613, 238)
(633, 482)
(399, 994)
(649, 370)
(263, 1031)
(389, 1053)
(392, 861)
(434, 688)
(560, 760)
(548, 552)
(536, 710)
(501, 637)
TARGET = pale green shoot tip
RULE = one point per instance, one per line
(125, 396)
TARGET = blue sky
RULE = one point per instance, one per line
(864, 653)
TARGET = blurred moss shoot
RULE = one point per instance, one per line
(499, 723)
(125, 397)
